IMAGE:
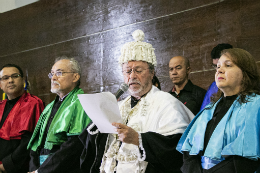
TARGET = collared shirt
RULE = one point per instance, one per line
(134, 101)
(191, 96)
(61, 99)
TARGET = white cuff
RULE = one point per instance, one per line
(36, 171)
(92, 132)
(143, 157)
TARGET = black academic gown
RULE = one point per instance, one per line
(64, 158)
(161, 153)
(14, 153)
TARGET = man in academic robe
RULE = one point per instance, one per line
(19, 114)
(153, 122)
(60, 123)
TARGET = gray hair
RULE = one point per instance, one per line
(74, 65)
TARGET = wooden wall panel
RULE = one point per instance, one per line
(94, 31)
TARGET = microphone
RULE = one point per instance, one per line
(123, 88)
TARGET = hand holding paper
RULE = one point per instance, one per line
(126, 134)
(102, 109)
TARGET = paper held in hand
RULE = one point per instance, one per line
(102, 109)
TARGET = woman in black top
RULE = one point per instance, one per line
(225, 136)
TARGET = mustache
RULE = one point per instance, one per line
(11, 85)
(55, 82)
(134, 81)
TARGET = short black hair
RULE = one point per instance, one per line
(15, 66)
(216, 51)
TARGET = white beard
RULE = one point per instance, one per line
(135, 92)
(55, 90)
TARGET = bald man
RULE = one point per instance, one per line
(184, 90)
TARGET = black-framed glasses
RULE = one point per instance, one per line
(58, 74)
(135, 70)
(13, 76)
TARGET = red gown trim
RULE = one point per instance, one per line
(23, 116)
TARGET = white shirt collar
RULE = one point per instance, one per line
(61, 99)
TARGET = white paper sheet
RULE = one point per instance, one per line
(102, 109)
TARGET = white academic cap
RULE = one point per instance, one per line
(138, 50)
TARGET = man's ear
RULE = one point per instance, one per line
(188, 70)
(76, 77)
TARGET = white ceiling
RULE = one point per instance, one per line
(7, 5)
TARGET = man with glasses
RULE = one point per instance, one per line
(184, 90)
(153, 122)
(215, 55)
(19, 114)
(52, 144)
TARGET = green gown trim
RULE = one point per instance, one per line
(70, 119)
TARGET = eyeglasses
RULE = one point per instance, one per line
(135, 70)
(13, 76)
(58, 74)
(214, 66)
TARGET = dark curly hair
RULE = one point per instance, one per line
(250, 84)
(216, 51)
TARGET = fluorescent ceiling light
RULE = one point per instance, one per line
(7, 5)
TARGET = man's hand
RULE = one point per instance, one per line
(126, 134)
(32, 172)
